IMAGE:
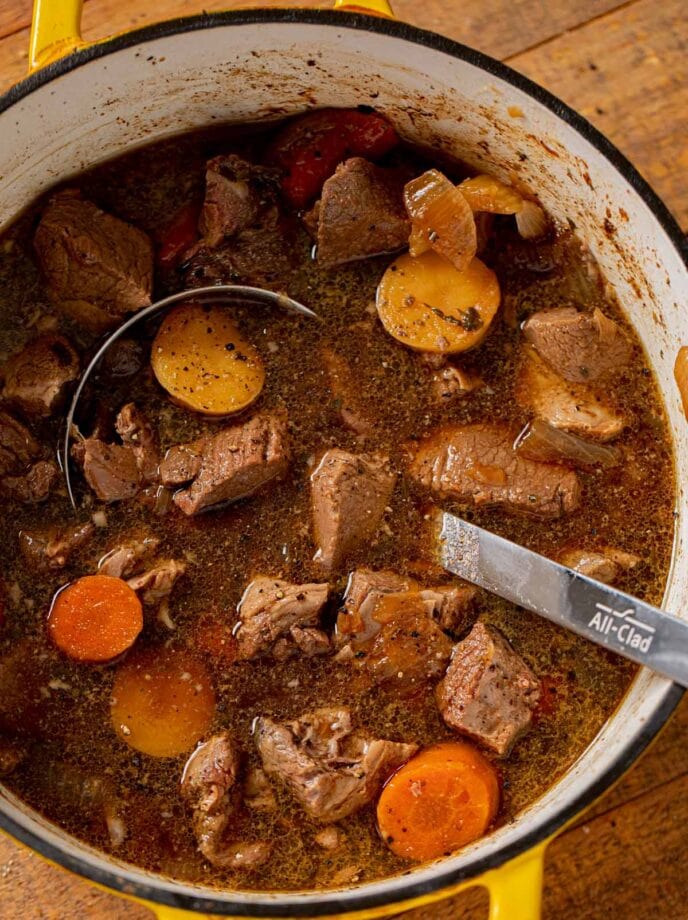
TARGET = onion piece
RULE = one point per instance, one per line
(531, 221)
(681, 376)
(485, 193)
(441, 219)
(540, 441)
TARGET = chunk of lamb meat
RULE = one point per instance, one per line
(603, 565)
(244, 235)
(349, 494)
(110, 470)
(273, 611)
(476, 465)
(23, 475)
(50, 548)
(450, 606)
(137, 434)
(408, 650)
(37, 377)
(331, 770)
(488, 692)
(345, 388)
(236, 192)
(360, 214)
(156, 584)
(450, 382)
(128, 555)
(210, 788)
(570, 406)
(230, 465)
(98, 267)
(579, 346)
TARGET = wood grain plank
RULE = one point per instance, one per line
(628, 73)
(492, 26)
(497, 28)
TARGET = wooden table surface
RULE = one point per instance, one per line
(624, 65)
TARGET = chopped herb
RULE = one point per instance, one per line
(469, 319)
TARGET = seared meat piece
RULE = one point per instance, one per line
(602, 565)
(209, 786)
(329, 838)
(571, 406)
(23, 476)
(128, 555)
(451, 381)
(182, 463)
(488, 692)
(51, 547)
(235, 194)
(476, 464)
(137, 433)
(18, 447)
(37, 377)
(272, 609)
(579, 346)
(35, 486)
(450, 606)
(156, 583)
(346, 389)
(12, 753)
(349, 494)
(110, 469)
(98, 268)
(235, 462)
(331, 770)
(360, 214)
(244, 235)
(409, 648)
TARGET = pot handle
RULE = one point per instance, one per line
(516, 887)
(56, 26)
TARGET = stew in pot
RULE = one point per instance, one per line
(237, 662)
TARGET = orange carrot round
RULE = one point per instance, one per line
(162, 702)
(442, 799)
(95, 618)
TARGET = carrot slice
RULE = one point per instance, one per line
(442, 799)
(201, 359)
(95, 619)
(162, 702)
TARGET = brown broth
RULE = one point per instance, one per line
(270, 534)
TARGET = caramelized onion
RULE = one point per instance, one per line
(540, 441)
(441, 219)
(531, 221)
(485, 193)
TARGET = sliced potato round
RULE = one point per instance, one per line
(162, 702)
(429, 305)
(202, 361)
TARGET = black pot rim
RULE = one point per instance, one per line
(405, 888)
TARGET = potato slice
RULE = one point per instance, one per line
(429, 305)
(162, 702)
(202, 361)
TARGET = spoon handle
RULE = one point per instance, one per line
(605, 616)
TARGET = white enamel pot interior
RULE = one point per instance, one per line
(190, 73)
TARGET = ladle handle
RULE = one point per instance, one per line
(56, 26)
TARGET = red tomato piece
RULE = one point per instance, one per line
(180, 235)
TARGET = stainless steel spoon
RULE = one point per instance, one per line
(218, 293)
(605, 616)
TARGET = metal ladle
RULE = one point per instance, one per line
(218, 293)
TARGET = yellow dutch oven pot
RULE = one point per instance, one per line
(83, 104)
